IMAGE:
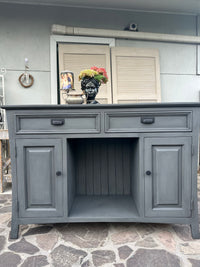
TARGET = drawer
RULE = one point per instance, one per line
(169, 121)
(58, 123)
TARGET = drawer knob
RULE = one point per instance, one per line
(148, 172)
(58, 173)
(147, 120)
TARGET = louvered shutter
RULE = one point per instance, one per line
(76, 57)
(136, 75)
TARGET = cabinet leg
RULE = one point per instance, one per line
(14, 230)
(195, 229)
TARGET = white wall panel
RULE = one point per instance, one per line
(20, 39)
(39, 93)
(180, 88)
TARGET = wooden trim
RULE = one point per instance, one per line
(146, 36)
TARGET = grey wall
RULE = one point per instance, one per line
(178, 63)
(25, 32)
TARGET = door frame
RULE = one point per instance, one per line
(54, 40)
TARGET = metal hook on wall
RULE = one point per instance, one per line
(25, 79)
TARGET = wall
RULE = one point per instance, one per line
(179, 81)
(25, 32)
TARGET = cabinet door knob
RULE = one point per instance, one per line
(148, 172)
(58, 173)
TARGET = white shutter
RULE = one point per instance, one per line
(136, 75)
(76, 57)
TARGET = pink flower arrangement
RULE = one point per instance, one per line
(99, 74)
(101, 71)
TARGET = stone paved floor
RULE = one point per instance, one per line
(96, 244)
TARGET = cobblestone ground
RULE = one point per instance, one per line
(96, 244)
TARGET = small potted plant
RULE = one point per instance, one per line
(91, 79)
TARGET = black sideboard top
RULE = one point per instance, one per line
(105, 106)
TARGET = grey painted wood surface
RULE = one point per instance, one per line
(168, 186)
(102, 207)
(133, 122)
(147, 107)
(104, 174)
(39, 186)
(59, 123)
(102, 167)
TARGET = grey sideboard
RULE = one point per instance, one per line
(104, 163)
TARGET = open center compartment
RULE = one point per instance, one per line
(103, 178)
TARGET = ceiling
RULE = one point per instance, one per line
(177, 6)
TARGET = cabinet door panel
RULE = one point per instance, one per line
(167, 175)
(42, 189)
(39, 175)
(168, 188)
